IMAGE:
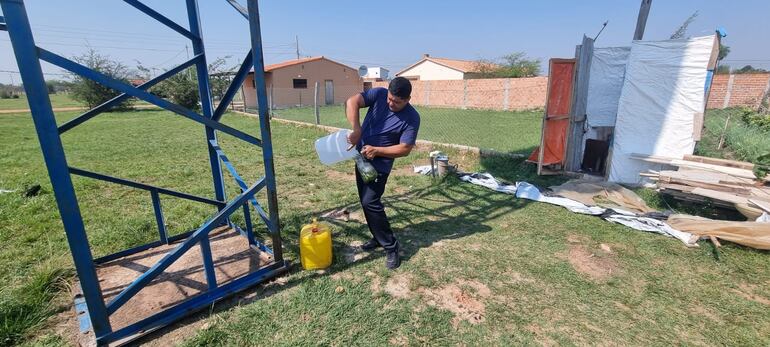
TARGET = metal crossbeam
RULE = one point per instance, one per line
(120, 98)
(106, 81)
(241, 183)
(180, 250)
(235, 85)
(137, 249)
(147, 187)
(242, 10)
(198, 302)
(161, 18)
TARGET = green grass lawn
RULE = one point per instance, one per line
(480, 267)
(57, 100)
(741, 141)
(516, 131)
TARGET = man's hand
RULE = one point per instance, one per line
(369, 152)
(354, 136)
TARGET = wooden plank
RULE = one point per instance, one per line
(715, 241)
(737, 172)
(764, 205)
(722, 162)
(679, 187)
(722, 196)
(574, 146)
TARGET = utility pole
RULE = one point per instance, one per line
(641, 21)
(297, 45)
(11, 75)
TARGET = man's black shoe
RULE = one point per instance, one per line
(370, 245)
(393, 259)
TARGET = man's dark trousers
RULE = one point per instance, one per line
(370, 195)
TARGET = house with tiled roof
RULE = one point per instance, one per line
(292, 83)
(430, 68)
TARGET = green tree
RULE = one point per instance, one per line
(513, 65)
(749, 69)
(91, 93)
(724, 50)
(181, 89)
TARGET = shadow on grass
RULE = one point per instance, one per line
(445, 210)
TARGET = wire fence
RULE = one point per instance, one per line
(498, 114)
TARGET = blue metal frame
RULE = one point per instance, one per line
(91, 307)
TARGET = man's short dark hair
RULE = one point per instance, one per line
(400, 87)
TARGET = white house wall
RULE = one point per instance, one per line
(430, 71)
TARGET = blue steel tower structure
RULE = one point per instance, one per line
(91, 306)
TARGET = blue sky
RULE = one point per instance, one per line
(392, 34)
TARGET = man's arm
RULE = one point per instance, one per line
(395, 151)
(352, 107)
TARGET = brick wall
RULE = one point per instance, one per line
(738, 90)
(494, 94)
(528, 93)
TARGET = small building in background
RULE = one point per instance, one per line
(431, 69)
(292, 83)
(375, 74)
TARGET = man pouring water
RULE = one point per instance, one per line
(389, 131)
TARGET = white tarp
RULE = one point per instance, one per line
(661, 96)
(608, 70)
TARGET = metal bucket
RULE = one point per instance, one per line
(443, 166)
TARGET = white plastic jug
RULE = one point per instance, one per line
(333, 149)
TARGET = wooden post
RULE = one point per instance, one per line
(574, 147)
(315, 105)
(641, 21)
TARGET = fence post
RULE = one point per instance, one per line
(465, 94)
(729, 91)
(506, 92)
(315, 105)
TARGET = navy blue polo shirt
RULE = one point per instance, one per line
(383, 127)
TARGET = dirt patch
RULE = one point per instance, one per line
(597, 268)
(704, 312)
(345, 214)
(343, 276)
(376, 282)
(622, 306)
(340, 176)
(748, 292)
(480, 288)
(464, 304)
(399, 340)
(398, 286)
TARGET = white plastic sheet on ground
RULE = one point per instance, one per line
(661, 95)
(653, 225)
(524, 190)
(530, 192)
(486, 180)
(608, 70)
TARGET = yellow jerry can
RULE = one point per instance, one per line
(315, 246)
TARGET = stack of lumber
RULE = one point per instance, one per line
(724, 183)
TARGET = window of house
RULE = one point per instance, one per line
(300, 83)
